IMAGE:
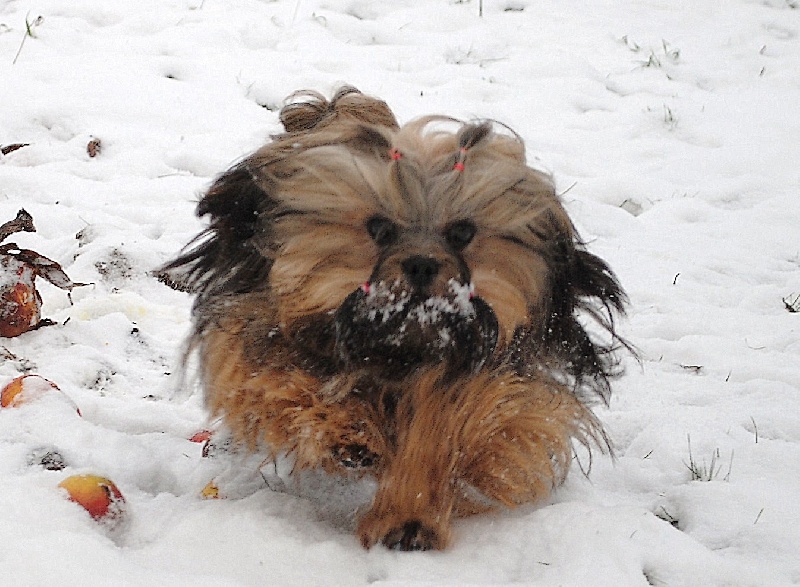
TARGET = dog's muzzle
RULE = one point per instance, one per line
(388, 329)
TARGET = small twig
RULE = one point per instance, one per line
(727, 476)
(792, 303)
(294, 14)
(667, 517)
(6, 149)
(574, 183)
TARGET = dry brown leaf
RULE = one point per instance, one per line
(93, 147)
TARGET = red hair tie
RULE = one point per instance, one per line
(394, 154)
(462, 153)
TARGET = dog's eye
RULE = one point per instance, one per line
(460, 234)
(382, 230)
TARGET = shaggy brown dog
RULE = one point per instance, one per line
(400, 302)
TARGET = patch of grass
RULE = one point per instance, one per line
(707, 471)
(30, 31)
(654, 58)
(670, 120)
(668, 54)
(663, 514)
(631, 44)
(469, 56)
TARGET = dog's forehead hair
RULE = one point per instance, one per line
(335, 182)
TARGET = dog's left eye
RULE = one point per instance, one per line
(382, 230)
(460, 234)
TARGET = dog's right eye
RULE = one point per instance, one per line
(460, 234)
(382, 230)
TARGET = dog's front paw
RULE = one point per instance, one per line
(412, 535)
(354, 456)
(404, 531)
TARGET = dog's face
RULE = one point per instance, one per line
(418, 251)
(397, 247)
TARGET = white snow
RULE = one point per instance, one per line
(672, 129)
(387, 300)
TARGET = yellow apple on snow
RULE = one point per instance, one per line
(210, 491)
(98, 496)
(26, 388)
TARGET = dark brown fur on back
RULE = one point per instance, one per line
(400, 302)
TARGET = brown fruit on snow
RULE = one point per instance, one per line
(20, 303)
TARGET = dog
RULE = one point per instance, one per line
(409, 303)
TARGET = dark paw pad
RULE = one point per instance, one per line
(354, 456)
(412, 535)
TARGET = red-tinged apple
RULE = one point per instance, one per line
(27, 388)
(201, 436)
(98, 496)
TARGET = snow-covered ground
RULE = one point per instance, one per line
(671, 126)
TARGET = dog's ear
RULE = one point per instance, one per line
(234, 203)
(224, 258)
(591, 277)
(583, 283)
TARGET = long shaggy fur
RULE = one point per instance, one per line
(400, 302)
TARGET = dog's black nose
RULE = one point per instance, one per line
(420, 271)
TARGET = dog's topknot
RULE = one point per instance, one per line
(307, 110)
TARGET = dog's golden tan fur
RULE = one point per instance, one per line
(400, 302)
